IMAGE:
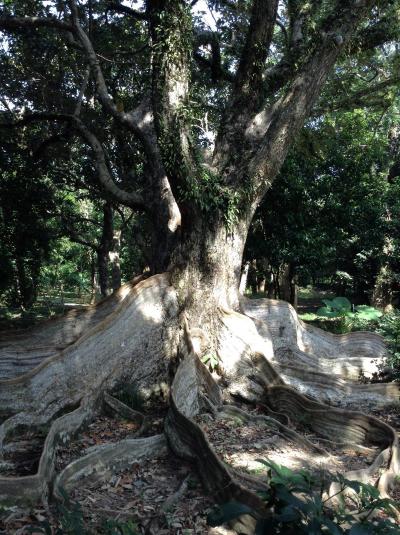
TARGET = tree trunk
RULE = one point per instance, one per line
(382, 296)
(105, 246)
(26, 284)
(243, 278)
(206, 267)
(115, 261)
(288, 285)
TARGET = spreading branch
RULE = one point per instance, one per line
(14, 23)
(359, 98)
(248, 83)
(131, 199)
(120, 8)
(273, 129)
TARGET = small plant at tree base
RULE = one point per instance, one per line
(211, 361)
(300, 510)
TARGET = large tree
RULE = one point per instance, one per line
(255, 79)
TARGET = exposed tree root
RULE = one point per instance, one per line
(320, 364)
(100, 463)
(136, 342)
(23, 350)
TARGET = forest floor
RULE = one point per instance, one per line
(164, 495)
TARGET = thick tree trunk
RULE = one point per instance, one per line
(180, 316)
(206, 267)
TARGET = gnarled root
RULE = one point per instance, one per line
(130, 345)
(23, 350)
(257, 363)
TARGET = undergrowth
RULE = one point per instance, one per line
(338, 317)
(298, 509)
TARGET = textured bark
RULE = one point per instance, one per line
(22, 350)
(142, 337)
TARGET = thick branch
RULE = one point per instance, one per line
(171, 32)
(120, 8)
(359, 98)
(248, 83)
(125, 118)
(12, 23)
(384, 31)
(133, 200)
(214, 63)
(277, 126)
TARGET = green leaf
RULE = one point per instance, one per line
(341, 304)
(368, 313)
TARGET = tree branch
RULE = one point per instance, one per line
(133, 200)
(248, 83)
(120, 8)
(124, 118)
(214, 64)
(385, 30)
(272, 130)
(12, 23)
(358, 98)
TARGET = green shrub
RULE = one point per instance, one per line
(339, 316)
(298, 509)
(389, 327)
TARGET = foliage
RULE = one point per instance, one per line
(299, 509)
(341, 306)
(389, 327)
(327, 213)
(211, 361)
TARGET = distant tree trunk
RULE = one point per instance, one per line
(288, 284)
(382, 295)
(271, 286)
(262, 268)
(104, 248)
(243, 278)
(115, 261)
(93, 279)
(27, 283)
(252, 276)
